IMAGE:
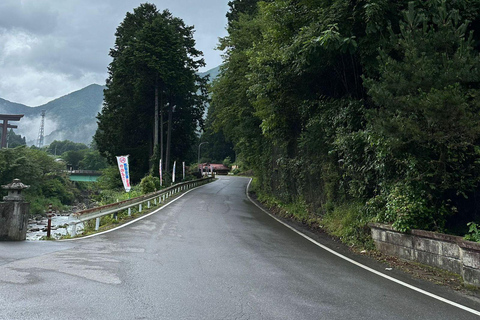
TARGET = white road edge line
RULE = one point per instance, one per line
(133, 221)
(364, 266)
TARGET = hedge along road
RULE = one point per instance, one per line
(211, 254)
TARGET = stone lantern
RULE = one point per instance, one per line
(14, 190)
(14, 212)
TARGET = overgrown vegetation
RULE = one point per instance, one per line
(44, 170)
(473, 232)
(360, 111)
(45, 176)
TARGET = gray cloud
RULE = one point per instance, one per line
(49, 48)
(31, 16)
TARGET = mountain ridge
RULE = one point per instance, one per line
(69, 117)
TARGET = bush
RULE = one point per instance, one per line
(408, 208)
(473, 232)
(59, 188)
(147, 185)
(350, 222)
(110, 179)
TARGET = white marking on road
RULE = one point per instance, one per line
(465, 308)
(135, 220)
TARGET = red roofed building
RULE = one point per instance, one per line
(218, 168)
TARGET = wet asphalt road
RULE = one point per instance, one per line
(211, 254)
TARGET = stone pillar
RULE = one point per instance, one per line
(14, 213)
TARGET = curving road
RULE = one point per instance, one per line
(211, 254)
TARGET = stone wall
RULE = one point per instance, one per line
(443, 251)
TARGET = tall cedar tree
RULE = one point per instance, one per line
(154, 70)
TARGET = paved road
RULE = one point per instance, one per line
(209, 255)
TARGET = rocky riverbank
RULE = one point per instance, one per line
(37, 227)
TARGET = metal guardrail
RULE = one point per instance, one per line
(126, 205)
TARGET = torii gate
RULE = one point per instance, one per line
(4, 118)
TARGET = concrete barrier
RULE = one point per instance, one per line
(439, 250)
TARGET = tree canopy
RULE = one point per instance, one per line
(372, 102)
(153, 73)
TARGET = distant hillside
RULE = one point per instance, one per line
(12, 108)
(70, 117)
(213, 73)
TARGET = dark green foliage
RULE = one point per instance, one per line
(48, 184)
(73, 158)
(93, 160)
(218, 147)
(153, 50)
(147, 185)
(473, 232)
(59, 147)
(370, 102)
(14, 140)
(110, 179)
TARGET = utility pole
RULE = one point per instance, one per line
(199, 151)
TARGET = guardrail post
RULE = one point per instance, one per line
(140, 207)
(97, 224)
(155, 201)
(73, 233)
(129, 212)
(148, 204)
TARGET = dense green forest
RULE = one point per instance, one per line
(356, 111)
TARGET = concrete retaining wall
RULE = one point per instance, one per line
(443, 251)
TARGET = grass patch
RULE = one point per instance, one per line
(349, 222)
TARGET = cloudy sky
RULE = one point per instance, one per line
(49, 48)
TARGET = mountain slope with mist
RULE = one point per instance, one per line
(71, 117)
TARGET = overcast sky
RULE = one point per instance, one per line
(49, 48)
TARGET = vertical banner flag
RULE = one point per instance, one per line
(173, 173)
(124, 172)
(161, 173)
(183, 165)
